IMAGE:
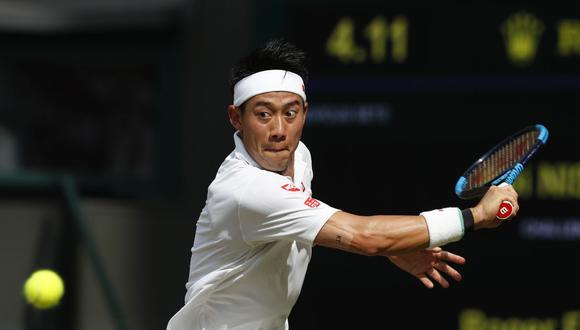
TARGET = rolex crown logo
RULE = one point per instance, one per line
(522, 32)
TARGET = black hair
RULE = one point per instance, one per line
(277, 54)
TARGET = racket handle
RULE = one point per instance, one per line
(505, 208)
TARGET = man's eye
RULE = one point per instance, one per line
(264, 115)
(292, 113)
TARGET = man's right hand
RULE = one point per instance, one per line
(485, 212)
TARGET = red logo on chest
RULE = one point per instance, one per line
(311, 202)
(290, 187)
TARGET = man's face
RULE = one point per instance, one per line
(271, 126)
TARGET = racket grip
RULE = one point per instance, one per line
(506, 209)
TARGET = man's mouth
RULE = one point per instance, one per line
(275, 149)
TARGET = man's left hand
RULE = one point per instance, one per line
(428, 265)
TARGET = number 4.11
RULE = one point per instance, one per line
(342, 44)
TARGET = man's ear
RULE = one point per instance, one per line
(235, 115)
(305, 110)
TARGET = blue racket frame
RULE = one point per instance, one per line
(508, 176)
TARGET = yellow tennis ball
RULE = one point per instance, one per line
(43, 289)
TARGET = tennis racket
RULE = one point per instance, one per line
(501, 166)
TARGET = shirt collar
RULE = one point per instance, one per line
(241, 152)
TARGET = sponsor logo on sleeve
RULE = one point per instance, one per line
(311, 202)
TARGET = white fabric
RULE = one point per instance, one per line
(445, 226)
(252, 246)
(268, 81)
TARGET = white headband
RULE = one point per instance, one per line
(268, 81)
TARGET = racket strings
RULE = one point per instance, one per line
(501, 160)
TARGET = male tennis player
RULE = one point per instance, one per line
(255, 235)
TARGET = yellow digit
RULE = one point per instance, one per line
(341, 43)
(569, 37)
(399, 36)
(377, 33)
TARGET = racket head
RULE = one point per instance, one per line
(502, 163)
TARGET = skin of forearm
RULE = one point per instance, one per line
(392, 235)
(384, 235)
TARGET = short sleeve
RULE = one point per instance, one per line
(272, 208)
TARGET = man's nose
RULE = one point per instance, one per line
(278, 129)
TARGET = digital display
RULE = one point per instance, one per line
(403, 99)
(376, 40)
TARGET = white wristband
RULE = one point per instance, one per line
(445, 226)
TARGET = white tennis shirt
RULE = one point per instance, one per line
(252, 246)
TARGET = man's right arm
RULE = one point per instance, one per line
(396, 234)
(374, 235)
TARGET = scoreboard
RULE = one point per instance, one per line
(398, 88)
(374, 40)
